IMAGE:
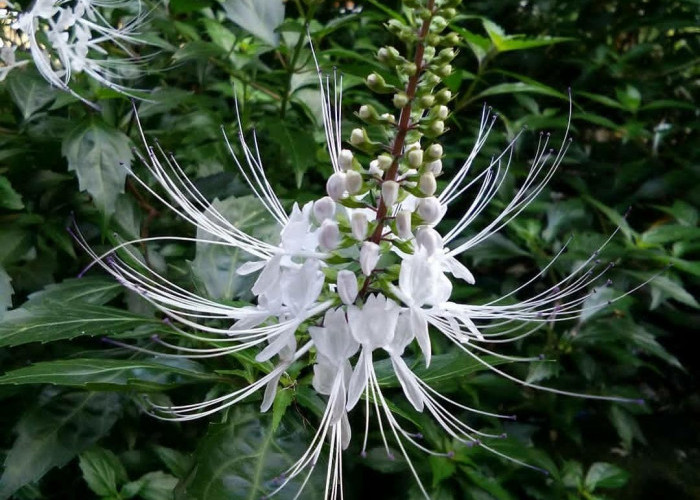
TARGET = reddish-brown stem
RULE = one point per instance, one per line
(404, 121)
(403, 127)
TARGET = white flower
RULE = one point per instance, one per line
(321, 278)
(76, 38)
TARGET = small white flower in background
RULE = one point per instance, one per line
(322, 300)
(67, 37)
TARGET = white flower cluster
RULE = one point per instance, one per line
(67, 37)
(335, 294)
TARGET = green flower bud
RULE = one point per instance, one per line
(426, 101)
(443, 97)
(428, 53)
(451, 39)
(448, 13)
(445, 56)
(433, 39)
(438, 24)
(434, 151)
(441, 112)
(377, 83)
(400, 99)
(387, 118)
(443, 71)
(408, 69)
(436, 128)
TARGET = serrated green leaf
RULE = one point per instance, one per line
(215, 265)
(604, 475)
(243, 459)
(107, 374)
(53, 433)
(9, 198)
(56, 321)
(627, 427)
(100, 156)
(96, 290)
(102, 471)
(30, 92)
(259, 17)
(298, 145)
(152, 486)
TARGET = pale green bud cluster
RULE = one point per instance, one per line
(395, 173)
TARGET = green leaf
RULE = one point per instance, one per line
(177, 462)
(604, 475)
(215, 265)
(517, 87)
(102, 471)
(152, 486)
(55, 321)
(6, 292)
(96, 290)
(666, 288)
(614, 216)
(443, 368)
(629, 97)
(100, 156)
(9, 198)
(298, 145)
(107, 374)
(668, 233)
(626, 426)
(30, 92)
(243, 459)
(259, 17)
(505, 43)
(283, 398)
(53, 433)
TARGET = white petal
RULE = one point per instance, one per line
(406, 378)
(419, 326)
(358, 380)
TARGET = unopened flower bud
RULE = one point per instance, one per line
(345, 159)
(400, 99)
(443, 71)
(437, 127)
(442, 112)
(435, 167)
(377, 83)
(452, 39)
(390, 192)
(357, 137)
(439, 23)
(434, 151)
(448, 13)
(369, 256)
(347, 286)
(426, 101)
(365, 112)
(415, 158)
(445, 56)
(359, 225)
(324, 208)
(444, 96)
(430, 239)
(383, 54)
(427, 184)
(374, 168)
(387, 117)
(409, 68)
(411, 146)
(403, 224)
(429, 210)
(429, 53)
(353, 181)
(329, 235)
(385, 161)
(335, 186)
